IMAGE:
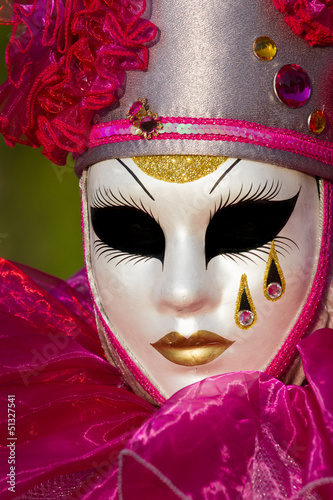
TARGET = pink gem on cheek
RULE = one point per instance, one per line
(245, 317)
(274, 290)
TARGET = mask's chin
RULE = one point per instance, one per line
(139, 377)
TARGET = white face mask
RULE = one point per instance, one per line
(185, 274)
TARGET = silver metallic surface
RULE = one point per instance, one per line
(203, 66)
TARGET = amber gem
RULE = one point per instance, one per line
(317, 122)
(264, 48)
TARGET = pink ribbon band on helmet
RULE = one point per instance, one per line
(216, 129)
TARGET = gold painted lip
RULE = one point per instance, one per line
(200, 348)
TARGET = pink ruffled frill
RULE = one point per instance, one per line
(66, 59)
(309, 19)
(234, 436)
(240, 436)
(73, 413)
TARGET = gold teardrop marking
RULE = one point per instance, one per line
(274, 282)
(245, 313)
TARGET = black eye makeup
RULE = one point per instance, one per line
(248, 222)
(127, 231)
(126, 227)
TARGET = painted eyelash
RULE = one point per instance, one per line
(262, 193)
(265, 192)
(102, 248)
(282, 247)
(106, 199)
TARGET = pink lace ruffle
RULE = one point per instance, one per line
(67, 59)
(309, 19)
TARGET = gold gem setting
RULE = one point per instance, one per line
(244, 297)
(273, 261)
(146, 123)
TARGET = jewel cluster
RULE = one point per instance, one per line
(292, 84)
(145, 122)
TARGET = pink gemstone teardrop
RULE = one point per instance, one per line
(274, 290)
(292, 85)
(135, 108)
(245, 318)
(148, 124)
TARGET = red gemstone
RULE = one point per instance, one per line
(148, 124)
(135, 108)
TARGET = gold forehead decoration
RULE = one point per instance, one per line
(178, 168)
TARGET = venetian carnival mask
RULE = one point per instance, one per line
(213, 260)
(198, 265)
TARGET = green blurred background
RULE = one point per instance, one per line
(39, 205)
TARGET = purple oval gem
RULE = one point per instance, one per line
(148, 124)
(135, 108)
(292, 85)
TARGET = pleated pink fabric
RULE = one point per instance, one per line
(82, 434)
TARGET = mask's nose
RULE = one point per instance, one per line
(185, 285)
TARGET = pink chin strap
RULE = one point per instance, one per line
(285, 355)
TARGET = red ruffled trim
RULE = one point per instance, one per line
(67, 59)
(311, 20)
